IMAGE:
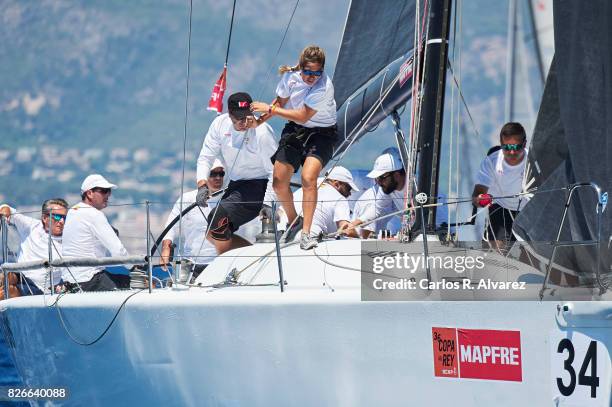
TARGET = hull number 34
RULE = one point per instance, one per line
(580, 370)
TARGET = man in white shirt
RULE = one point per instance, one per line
(88, 234)
(332, 212)
(500, 177)
(364, 205)
(195, 247)
(34, 237)
(246, 153)
(390, 195)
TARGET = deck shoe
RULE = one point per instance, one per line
(308, 241)
(292, 230)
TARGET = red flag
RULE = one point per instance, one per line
(216, 98)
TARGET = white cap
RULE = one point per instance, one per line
(96, 181)
(388, 161)
(342, 174)
(217, 163)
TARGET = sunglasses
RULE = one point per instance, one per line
(57, 217)
(242, 121)
(384, 177)
(217, 174)
(512, 147)
(312, 73)
(102, 190)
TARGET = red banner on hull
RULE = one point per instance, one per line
(477, 354)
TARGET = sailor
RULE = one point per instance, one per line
(332, 212)
(500, 177)
(389, 194)
(34, 236)
(246, 150)
(195, 247)
(88, 234)
(304, 97)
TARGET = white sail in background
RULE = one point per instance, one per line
(543, 23)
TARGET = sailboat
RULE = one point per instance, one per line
(270, 324)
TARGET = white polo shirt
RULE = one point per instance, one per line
(331, 207)
(87, 233)
(319, 97)
(385, 204)
(34, 246)
(244, 154)
(194, 246)
(503, 179)
(365, 208)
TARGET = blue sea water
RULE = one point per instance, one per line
(8, 373)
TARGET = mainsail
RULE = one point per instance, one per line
(571, 140)
(380, 35)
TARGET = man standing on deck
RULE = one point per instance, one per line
(246, 152)
(34, 236)
(501, 176)
(332, 212)
(195, 246)
(389, 197)
(88, 234)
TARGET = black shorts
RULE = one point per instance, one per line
(240, 204)
(298, 142)
(105, 281)
(501, 223)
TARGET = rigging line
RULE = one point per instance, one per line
(362, 124)
(466, 106)
(75, 340)
(229, 40)
(185, 125)
(452, 126)
(280, 46)
(68, 268)
(459, 9)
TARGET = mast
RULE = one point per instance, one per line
(430, 126)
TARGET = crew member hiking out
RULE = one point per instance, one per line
(304, 97)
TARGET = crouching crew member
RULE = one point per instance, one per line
(246, 151)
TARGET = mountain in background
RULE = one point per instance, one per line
(99, 86)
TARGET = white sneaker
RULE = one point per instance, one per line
(308, 241)
(292, 230)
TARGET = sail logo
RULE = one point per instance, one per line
(477, 354)
(405, 71)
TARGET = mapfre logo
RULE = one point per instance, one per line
(477, 354)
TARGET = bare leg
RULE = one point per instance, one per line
(281, 179)
(13, 290)
(223, 246)
(310, 171)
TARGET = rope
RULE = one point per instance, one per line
(186, 121)
(229, 40)
(280, 46)
(78, 342)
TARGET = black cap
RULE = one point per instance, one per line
(239, 105)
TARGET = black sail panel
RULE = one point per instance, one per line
(374, 71)
(573, 135)
(375, 35)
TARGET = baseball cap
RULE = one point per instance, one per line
(239, 105)
(388, 161)
(217, 163)
(96, 181)
(342, 174)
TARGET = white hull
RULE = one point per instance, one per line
(307, 346)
